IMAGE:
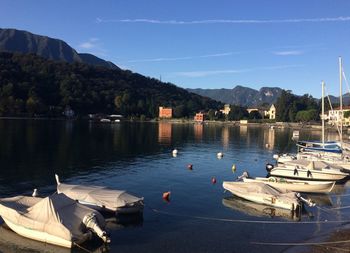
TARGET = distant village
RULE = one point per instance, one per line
(332, 116)
(167, 113)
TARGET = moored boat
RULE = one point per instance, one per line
(102, 198)
(295, 185)
(56, 219)
(264, 194)
(307, 170)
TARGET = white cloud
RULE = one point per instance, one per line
(93, 46)
(203, 73)
(161, 59)
(290, 52)
(225, 21)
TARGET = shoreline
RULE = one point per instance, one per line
(275, 125)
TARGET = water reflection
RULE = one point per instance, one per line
(164, 132)
(198, 131)
(258, 210)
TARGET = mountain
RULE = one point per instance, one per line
(241, 95)
(33, 85)
(12, 40)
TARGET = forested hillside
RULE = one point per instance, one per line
(31, 85)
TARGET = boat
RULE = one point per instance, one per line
(55, 219)
(307, 170)
(102, 198)
(295, 185)
(327, 148)
(258, 210)
(263, 194)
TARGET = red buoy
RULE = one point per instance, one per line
(166, 196)
(213, 180)
(190, 166)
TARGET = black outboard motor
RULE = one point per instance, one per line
(269, 167)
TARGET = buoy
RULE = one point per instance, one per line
(190, 166)
(267, 145)
(234, 168)
(213, 180)
(220, 155)
(275, 156)
(35, 193)
(174, 152)
(166, 196)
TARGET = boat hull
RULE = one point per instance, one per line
(285, 202)
(295, 185)
(306, 174)
(42, 236)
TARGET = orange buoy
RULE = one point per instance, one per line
(190, 166)
(213, 180)
(166, 196)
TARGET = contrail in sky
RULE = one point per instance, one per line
(225, 21)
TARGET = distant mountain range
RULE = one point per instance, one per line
(17, 41)
(242, 96)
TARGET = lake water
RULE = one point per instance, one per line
(200, 216)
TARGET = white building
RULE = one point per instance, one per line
(271, 113)
(335, 115)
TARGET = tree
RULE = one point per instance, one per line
(211, 114)
(346, 114)
(254, 115)
(307, 115)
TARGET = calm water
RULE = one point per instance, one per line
(137, 157)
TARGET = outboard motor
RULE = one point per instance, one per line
(244, 175)
(91, 222)
(269, 167)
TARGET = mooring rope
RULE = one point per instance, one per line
(340, 207)
(331, 247)
(81, 247)
(247, 221)
(299, 243)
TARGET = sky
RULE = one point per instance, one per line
(292, 44)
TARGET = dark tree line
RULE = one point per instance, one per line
(31, 85)
(292, 108)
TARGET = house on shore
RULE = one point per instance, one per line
(199, 117)
(334, 116)
(165, 112)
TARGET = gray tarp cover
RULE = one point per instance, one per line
(100, 196)
(56, 215)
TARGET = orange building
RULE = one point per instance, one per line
(165, 112)
(200, 117)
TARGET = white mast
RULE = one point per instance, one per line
(341, 100)
(322, 115)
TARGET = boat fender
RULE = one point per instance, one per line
(309, 173)
(296, 172)
(269, 167)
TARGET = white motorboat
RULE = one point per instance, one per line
(102, 198)
(343, 162)
(307, 170)
(263, 194)
(56, 219)
(295, 185)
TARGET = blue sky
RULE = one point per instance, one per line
(292, 44)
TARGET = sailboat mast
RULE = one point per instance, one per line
(322, 115)
(341, 100)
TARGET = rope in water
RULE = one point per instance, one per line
(299, 243)
(247, 221)
(81, 247)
